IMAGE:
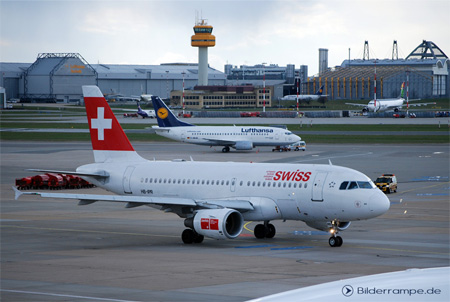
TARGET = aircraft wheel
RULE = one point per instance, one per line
(188, 236)
(199, 238)
(260, 231)
(335, 241)
(270, 231)
(339, 240)
(226, 149)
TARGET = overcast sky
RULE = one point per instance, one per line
(247, 32)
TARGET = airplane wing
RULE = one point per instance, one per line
(222, 142)
(353, 104)
(417, 104)
(159, 129)
(135, 201)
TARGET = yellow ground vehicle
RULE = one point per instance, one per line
(387, 183)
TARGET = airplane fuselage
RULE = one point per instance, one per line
(305, 192)
(228, 135)
(385, 104)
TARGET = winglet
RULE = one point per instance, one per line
(17, 193)
(329, 161)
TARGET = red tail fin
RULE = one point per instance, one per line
(106, 132)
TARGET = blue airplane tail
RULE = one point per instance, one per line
(164, 116)
(320, 91)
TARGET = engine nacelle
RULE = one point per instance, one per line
(217, 224)
(326, 226)
(243, 145)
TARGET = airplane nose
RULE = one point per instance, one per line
(379, 203)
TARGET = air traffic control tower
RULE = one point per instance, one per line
(203, 39)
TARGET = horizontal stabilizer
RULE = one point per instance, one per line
(101, 174)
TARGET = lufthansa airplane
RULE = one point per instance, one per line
(306, 97)
(237, 137)
(215, 198)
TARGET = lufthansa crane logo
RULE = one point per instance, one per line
(162, 113)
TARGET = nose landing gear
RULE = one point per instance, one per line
(335, 241)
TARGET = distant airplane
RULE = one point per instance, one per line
(427, 284)
(237, 137)
(143, 113)
(378, 105)
(306, 97)
(214, 198)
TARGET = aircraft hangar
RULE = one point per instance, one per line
(426, 69)
(59, 77)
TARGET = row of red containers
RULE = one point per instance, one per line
(52, 181)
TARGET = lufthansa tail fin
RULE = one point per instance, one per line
(109, 141)
(320, 91)
(164, 116)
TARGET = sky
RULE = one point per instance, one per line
(248, 32)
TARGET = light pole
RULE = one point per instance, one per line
(264, 87)
(183, 73)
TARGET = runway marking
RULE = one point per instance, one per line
(245, 226)
(65, 296)
(397, 250)
(85, 231)
(254, 246)
(415, 189)
(291, 248)
(334, 157)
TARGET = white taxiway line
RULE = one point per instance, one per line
(66, 296)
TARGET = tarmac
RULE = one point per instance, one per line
(54, 250)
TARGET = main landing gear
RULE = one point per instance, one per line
(226, 149)
(190, 236)
(266, 230)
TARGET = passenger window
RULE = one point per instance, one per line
(306, 185)
(343, 185)
(284, 185)
(248, 183)
(353, 185)
(241, 183)
(299, 185)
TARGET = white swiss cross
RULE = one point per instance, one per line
(100, 123)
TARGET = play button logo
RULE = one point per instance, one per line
(347, 290)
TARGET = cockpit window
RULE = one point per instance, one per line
(350, 185)
(288, 133)
(343, 185)
(365, 185)
(353, 185)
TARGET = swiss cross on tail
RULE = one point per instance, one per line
(106, 132)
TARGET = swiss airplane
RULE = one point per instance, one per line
(237, 137)
(305, 97)
(395, 104)
(215, 198)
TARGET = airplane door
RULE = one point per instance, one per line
(126, 181)
(233, 184)
(317, 189)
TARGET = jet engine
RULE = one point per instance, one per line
(243, 145)
(217, 223)
(326, 226)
